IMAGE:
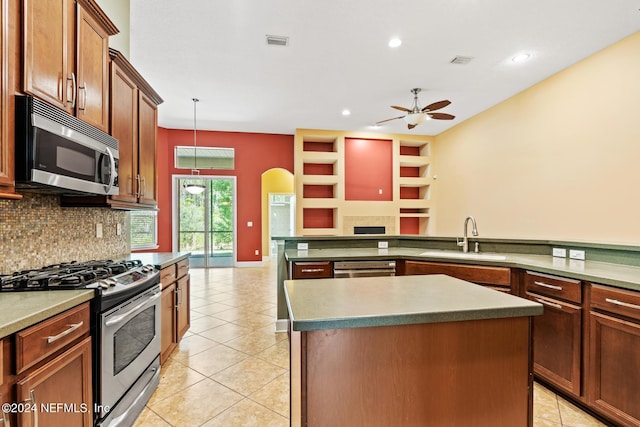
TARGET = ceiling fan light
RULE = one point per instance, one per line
(415, 118)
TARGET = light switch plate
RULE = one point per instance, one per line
(303, 246)
(383, 245)
(99, 230)
(576, 254)
(560, 252)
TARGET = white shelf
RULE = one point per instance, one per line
(414, 161)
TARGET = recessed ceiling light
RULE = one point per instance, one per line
(395, 42)
(521, 57)
(346, 112)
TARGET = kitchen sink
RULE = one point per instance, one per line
(463, 255)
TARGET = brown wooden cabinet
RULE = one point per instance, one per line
(175, 304)
(6, 381)
(134, 124)
(8, 45)
(498, 278)
(613, 378)
(557, 334)
(65, 56)
(59, 392)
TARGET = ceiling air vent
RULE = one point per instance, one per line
(277, 40)
(461, 60)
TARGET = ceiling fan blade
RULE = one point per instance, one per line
(401, 108)
(388, 120)
(411, 126)
(436, 105)
(441, 116)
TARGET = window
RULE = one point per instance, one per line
(204, 157)
(144, 230)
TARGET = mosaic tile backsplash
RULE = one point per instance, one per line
(36, 231)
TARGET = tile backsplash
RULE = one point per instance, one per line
(36, 231)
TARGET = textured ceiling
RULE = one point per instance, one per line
(338, 57)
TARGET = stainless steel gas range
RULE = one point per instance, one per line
(125, 328)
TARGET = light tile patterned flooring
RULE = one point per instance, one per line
(231, 369)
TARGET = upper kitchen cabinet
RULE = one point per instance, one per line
(8, 14)
(134, 123)
(65, 57)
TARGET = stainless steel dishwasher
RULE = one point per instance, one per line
(364, 268)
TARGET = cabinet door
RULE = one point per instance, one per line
(168, 322)
(614, 368)
(147, 124)
(48, 51)
(92, 67)
(60, 392)
(124, 127)
(6, 145)
(557, 337)
(499, 276)
(182, 306)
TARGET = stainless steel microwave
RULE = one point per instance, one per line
(56, 152)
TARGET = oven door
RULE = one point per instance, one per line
(130, 341)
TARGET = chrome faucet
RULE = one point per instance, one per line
(474, 231)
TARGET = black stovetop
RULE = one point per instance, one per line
(71, 275)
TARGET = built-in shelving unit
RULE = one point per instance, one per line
(320, 185)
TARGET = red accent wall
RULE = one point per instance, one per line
(368, 168)
(255, 153)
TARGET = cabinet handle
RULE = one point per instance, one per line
(137, 186)
(622, 303)
(83, 88)
(550, 304)
(144, 186)
(72, 328)
(312, 270)
(32, 400)
(178, 298)
(72, 79)
(5, 421)
(545, 285)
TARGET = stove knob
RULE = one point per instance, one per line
(111, 281)
(147, 268)
(103, 284)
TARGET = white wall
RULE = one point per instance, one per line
(557, 161)
(118, 11)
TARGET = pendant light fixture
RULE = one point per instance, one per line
(194, 188)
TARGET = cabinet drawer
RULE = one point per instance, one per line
(182, 267)
(168, 275)
(47, 337)
(500, 276)
(617, 301)
(556, 287)
(312, 270)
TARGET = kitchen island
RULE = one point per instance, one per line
(413, 350)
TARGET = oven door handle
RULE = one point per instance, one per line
(124, 316)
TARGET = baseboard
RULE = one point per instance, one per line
(282, 325)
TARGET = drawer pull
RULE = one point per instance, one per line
(312, 270)
(72, 328)
(622, 303)
(550, 304)
(546, 285)
(34, 404)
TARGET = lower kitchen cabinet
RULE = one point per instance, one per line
(175, 311)
(59, 392)
(557, 334)
(498, 278)
(311, 270)
(6, 383)
(614, 354)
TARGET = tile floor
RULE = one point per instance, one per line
(231, 369)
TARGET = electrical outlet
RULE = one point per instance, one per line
(576, 254)
(560, 252)
(303, 246)
(257, 252)
(118, 229)
(383, 245)
(99, 230)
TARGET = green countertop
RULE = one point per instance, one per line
(618, 275)
(19, 310)
(384, 301)
(159, 259)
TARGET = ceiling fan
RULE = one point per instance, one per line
(417, 115)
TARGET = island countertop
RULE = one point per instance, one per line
(315, 304)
